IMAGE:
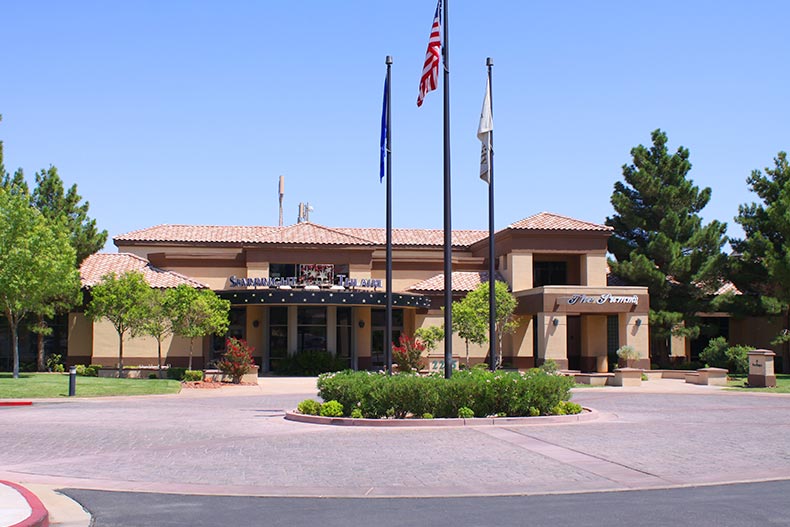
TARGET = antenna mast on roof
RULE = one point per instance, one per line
(282, 193)
(304, 212)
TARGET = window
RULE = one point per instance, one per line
(236, 329)
(549, 273)
(278, 336)
(311, 329)
(378, 323)
(344, 334)
(277, 270)
(612, 339)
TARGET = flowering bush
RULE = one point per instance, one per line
(237, 360)
(408, 356)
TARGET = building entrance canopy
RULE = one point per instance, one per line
(322, 297)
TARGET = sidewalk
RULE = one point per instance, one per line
(38, 506)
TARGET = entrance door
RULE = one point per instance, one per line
(574, 342)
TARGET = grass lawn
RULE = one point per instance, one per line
(39, 385)
(737, 383)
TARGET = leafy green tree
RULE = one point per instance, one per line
(123, 300)
(57, 205)
(760, 265)
(36, 264)
(197, 313)
(470, 321)
(659, 240)
(505, 307)
(158, 319)
(430, 336)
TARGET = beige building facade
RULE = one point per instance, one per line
(307, 287)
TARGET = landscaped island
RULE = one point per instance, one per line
(468, 393)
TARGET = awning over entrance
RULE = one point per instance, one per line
(322, 297)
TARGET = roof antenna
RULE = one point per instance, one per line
(282, 193)
(304, 212)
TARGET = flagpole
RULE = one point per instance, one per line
(388, 334)
(448, 232)
(491, 251)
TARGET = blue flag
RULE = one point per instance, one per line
(384, 126)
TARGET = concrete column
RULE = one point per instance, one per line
(361, 321)
(634, 332)
(520, 269)
(552, 339)
(594, 357)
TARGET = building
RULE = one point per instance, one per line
(309, 287)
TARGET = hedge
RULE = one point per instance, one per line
(486, 393)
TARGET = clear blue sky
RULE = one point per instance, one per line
(188, 112)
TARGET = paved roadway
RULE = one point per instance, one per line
(237, 443)
(746, 505)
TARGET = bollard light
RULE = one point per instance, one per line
(72, 381)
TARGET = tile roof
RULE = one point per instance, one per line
(728, 287)
(98, 265)
(198, 234)
(463, 282)
(415, 237)
(547, 221)
(301, 233)
(308, 233)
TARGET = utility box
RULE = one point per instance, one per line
(761, 369)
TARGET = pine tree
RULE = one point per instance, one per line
(659, 240)
(760, 266)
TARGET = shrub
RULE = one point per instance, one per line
(55, 362)
(331, 409)
(309, 407)
(176, 373)
(485, 393)
(193, 375)
(627, 353)
(310, 363)
(153, 376)
(58, 368)
(356, 413)
(566, 408)
(408, 355)
(549, 366)
(466, 412)
(88, 371)
(237, 360)
(427, 415)
(719, 354)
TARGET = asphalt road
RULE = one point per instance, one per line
(742, 505)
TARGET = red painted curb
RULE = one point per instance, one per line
(39, 516)
(16, 403)
(587, 415)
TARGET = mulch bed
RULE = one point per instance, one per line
(210, 385)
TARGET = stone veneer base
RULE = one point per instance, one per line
(588, 414)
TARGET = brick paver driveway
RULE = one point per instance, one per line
(240, 444)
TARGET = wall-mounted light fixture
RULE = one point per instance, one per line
(255, 323)
(638, 322)
(555, 322)
(361, 323)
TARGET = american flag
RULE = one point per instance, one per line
(430, 70)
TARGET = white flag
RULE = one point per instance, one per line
(484, 134)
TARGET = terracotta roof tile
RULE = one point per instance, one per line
(98, 265)
(199, 234)
(463, 282)
(416, 237)
(547, 221)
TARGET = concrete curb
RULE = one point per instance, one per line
(588, 414)
(39, 516)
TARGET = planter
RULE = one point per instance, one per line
(141, 372)
(627, 377)
(218, 376)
